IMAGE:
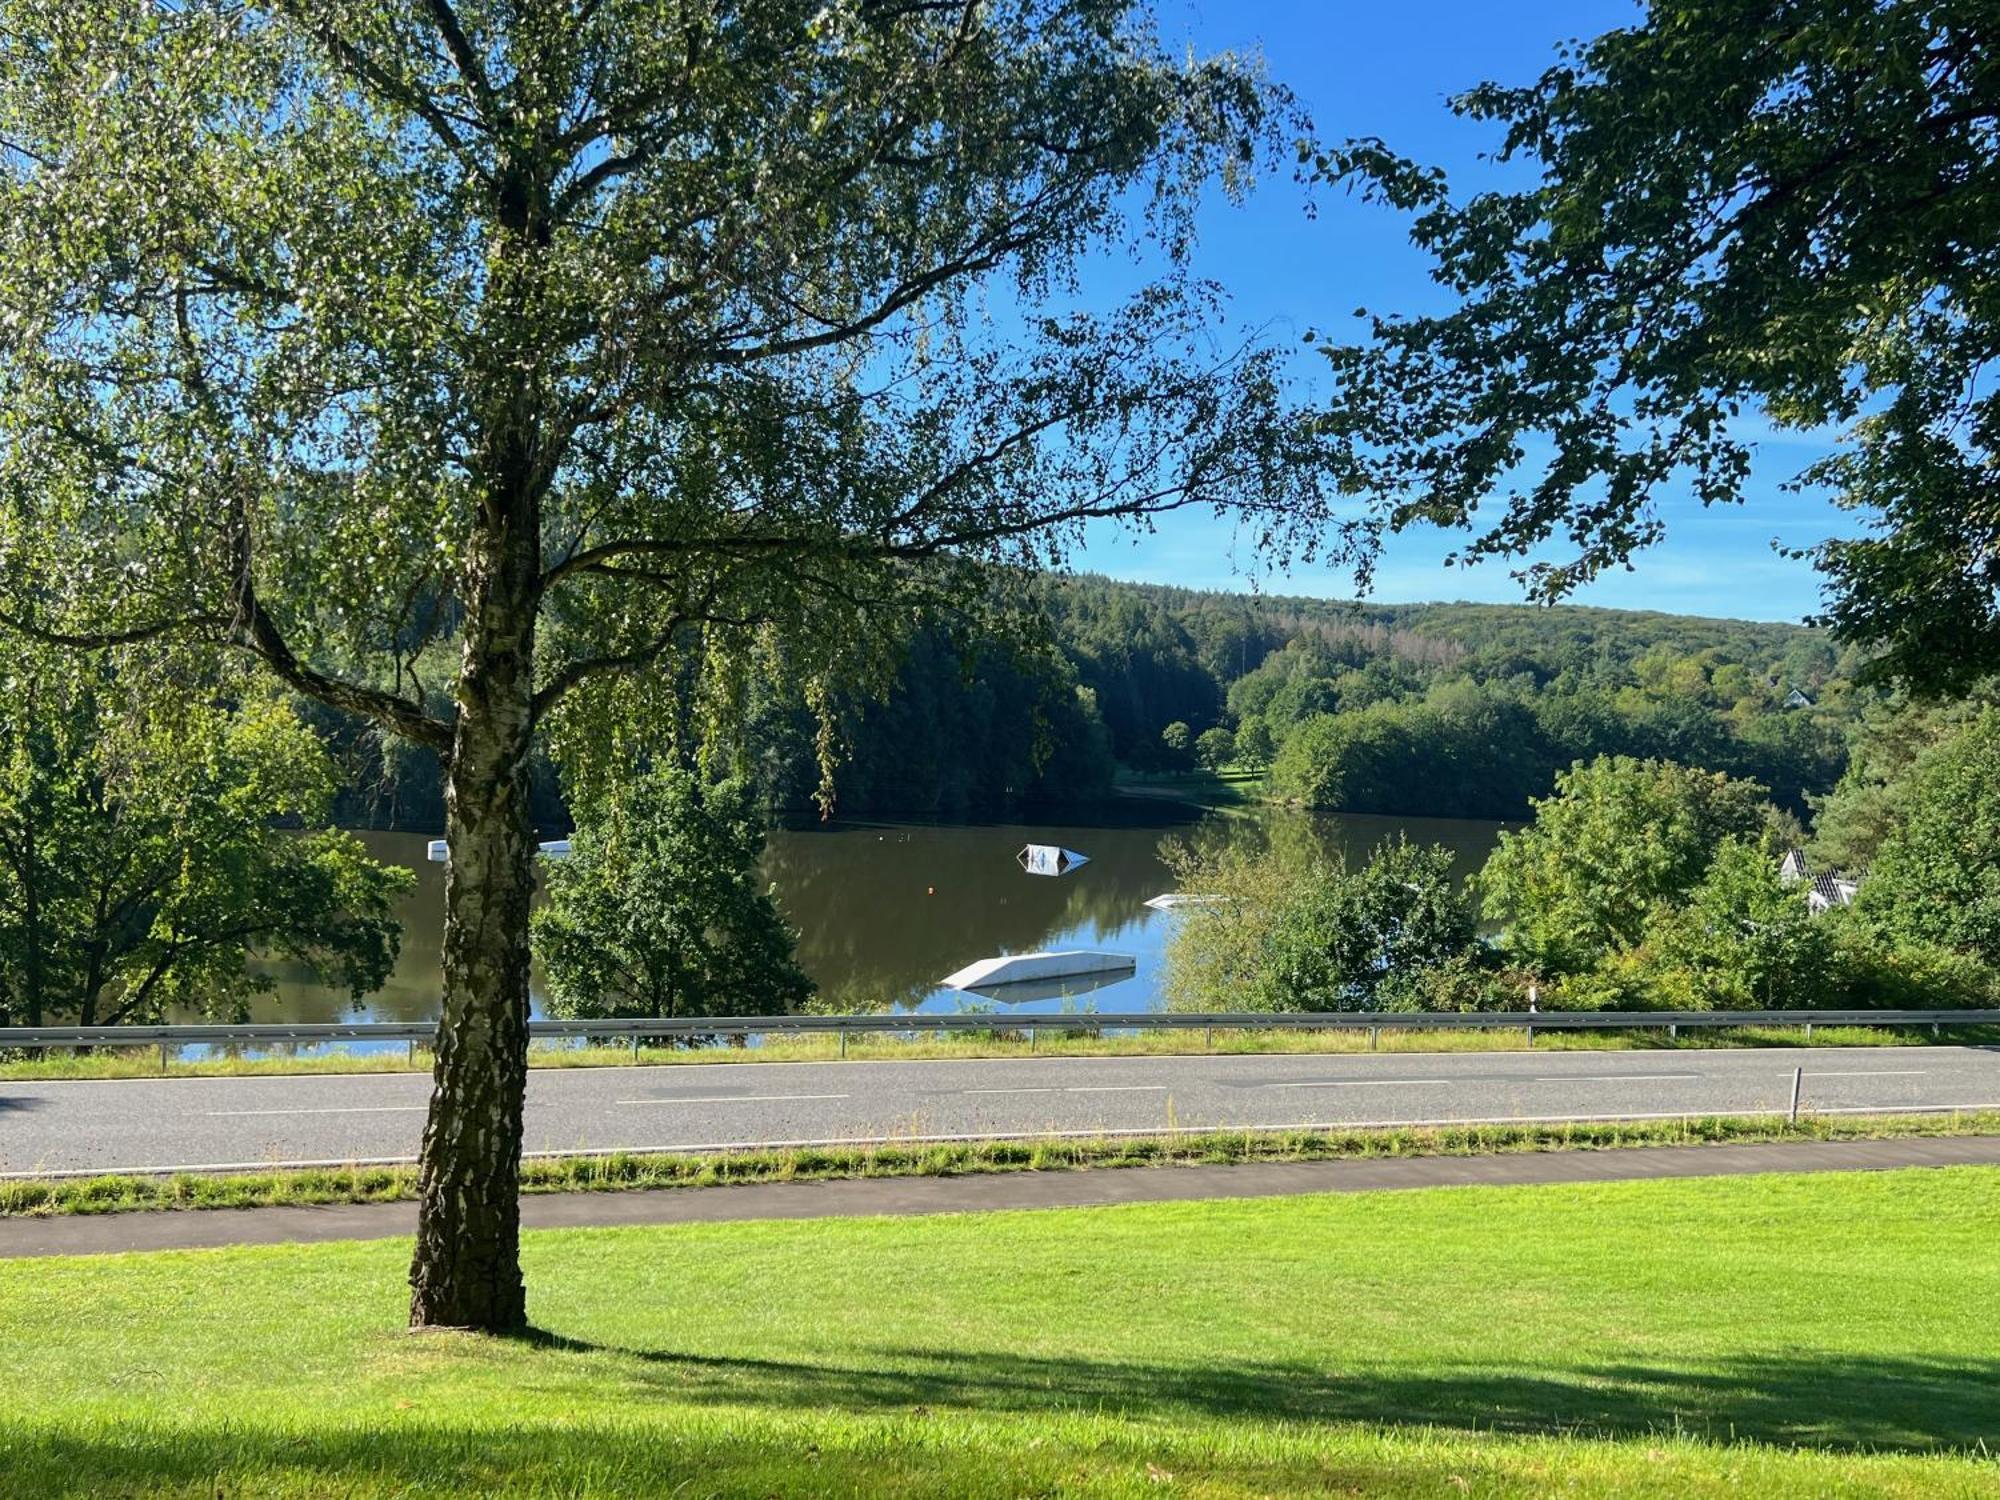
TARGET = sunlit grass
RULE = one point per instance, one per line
(1825, 1336)
(622, 1170)
(143, 1061)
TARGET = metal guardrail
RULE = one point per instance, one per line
(39, 1038)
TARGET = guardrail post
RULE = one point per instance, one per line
(1808, 1031)
(1673, 1031)
(1034, 1033)
(1374, 1037)
(1798, 1082)
(843, 1041)
(413, 1052)
(635, 1049)
(1531, 1038)
(163, 1059)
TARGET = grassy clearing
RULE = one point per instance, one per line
(144, 1061)
(624, 1171)
(1780, 1336)
(1230, 790)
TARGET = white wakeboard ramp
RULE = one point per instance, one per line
(1049, 859)
(439, 851)
(1038, 968)
(1179, 900)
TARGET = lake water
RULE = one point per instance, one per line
(885, 909)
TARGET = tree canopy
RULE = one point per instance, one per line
(1786, 209)
(658, 910)
(1936, 876)
(148, 859)
(595, 337)
(1617, 837)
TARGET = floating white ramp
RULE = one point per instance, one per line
(1049, 859)
(1174, 900)
(439, 851)
(1042, 969)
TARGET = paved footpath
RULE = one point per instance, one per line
(1096, 1187)
(162, 1124)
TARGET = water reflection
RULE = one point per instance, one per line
(886, 909)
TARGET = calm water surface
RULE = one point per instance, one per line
(885, 909)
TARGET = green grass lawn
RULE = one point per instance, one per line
(1752, 1336)
(1228, 790)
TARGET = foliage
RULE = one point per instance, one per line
(142, 868)
(1741, 940)
(1885, 746)
(1285, 932)
(1176, 737)
(657, 910)
(621, 340)
(1936, 877)
(976, 722)
(1618, 837)
(969, 726)
(1215, 748)
(1788, 205)
(1255, 744)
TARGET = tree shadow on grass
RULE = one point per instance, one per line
(1803, 1399)
(1838, 1404)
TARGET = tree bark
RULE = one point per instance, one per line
(466, 1272)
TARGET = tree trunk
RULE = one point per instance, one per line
(467, 1269)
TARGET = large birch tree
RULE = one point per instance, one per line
(585, 338)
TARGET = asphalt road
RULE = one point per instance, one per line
(164, 1124)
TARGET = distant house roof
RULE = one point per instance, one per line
(1798, 698)
(1830, 888)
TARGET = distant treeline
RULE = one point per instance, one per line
(1463, 710)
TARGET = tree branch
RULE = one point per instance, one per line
(364, 70)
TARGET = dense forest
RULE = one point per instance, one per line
(1447, 709)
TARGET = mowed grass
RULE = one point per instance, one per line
(623, 1171)
(143, 1060)
(1771, 1336)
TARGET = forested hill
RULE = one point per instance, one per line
(1446, 709)
(1157, 654)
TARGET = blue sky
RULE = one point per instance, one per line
(1364, 68)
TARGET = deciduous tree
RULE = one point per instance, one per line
(658, 910)
(1617, 838)
(1215, 748)
(1788, 208)
(147, 858)
(1936, 877)
(592, 335)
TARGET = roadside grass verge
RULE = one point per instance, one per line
(142, 1060)
(1749, 1337)
(627, 1171)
